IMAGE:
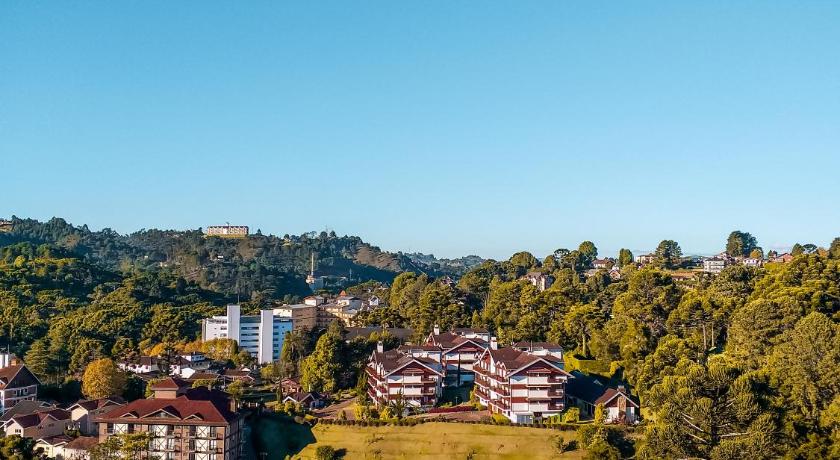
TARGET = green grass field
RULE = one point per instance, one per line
(440, 441)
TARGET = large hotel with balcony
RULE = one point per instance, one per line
(183, 423)
(524, 383)
(393, 374)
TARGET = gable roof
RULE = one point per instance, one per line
(198, 405)
(82, 443)
(25, 407)
(393, 360)
(515, 360)
(9, 374)
(595, 390)
(93, 404)
(36, 418)
(302, 396)
(451, 340)
(170, 383)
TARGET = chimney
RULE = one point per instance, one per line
(493, 344)
(4, 360)
(380, 347)
(621, 388)
(437, 329)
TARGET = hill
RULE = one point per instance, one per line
(260, 265)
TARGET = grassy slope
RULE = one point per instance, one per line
(440, 441)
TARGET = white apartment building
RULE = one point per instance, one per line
(261, 335)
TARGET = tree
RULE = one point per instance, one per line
(102, 378)
(834, 249)
(588, 253)
(757, 253)
(710, 410)
(796, 250)
(38, 359)
(583, 320)
(625, 258)
(322, 370)
(740, 244)
(668, 254)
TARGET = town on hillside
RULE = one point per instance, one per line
(572, 342)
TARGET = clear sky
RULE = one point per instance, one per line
(444, 127)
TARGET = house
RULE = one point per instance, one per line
(289, 385)
(185, 423)
(242, 375)
(615, 273)
(755, 262)
(782, 258)
(586, 392)
(645, 259)
(714, 265)
(459, 352)
(17, 383)
(351, 301)
(183, 366)
(374, 301)
(42, 423)
(53, 446)
(540, 348)
(392, 375)
(540, 280)
(603, 264)
(521, 385)
(307, 399)
(84, 411)
(79, 448)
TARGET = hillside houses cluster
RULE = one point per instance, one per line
(184, 423)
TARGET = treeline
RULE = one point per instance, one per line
(258, 267)
(61, 313)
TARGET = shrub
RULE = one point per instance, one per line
(601, 450)
(571, 415)
(500, 419)
(325, 453)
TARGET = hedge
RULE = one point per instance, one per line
(417, 421)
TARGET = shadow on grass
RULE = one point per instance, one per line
(276, 437)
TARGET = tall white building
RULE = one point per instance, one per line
(261, 335)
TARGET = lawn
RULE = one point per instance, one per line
(439, 441)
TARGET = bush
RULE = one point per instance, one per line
(601, 450)
(325, 453)
(500, 419)
(571, 415)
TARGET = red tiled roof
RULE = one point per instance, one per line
(91, 404)
(207, 406)
(82, 443)
(34, 419)
(170, 383)
(515, 359)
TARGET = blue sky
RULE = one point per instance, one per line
(446, 127)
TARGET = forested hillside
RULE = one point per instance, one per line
(259, 266)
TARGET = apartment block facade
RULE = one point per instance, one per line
(392, 375)
(524, 386)
(261, 335)
(184, 423)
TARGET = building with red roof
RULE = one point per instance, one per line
(185, 423)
